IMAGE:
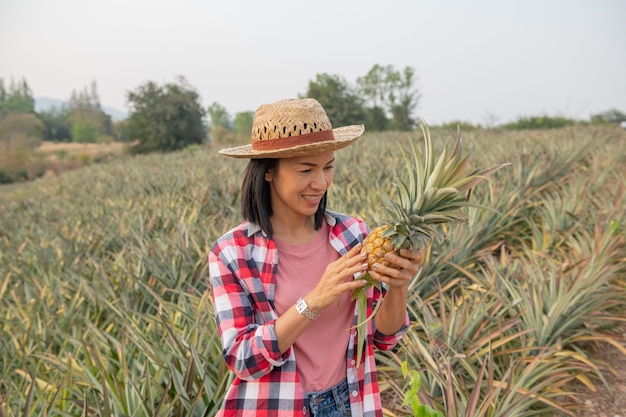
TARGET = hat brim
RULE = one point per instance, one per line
(344, 136)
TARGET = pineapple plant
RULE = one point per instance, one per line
(435, 192)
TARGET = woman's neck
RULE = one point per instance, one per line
(294, 231)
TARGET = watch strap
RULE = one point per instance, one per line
(303, 308)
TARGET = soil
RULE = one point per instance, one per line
(610, 399)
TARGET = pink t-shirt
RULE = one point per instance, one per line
(321, 350)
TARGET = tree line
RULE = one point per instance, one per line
(383, 99)
(168, 117)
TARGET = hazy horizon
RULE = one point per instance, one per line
(484, 61)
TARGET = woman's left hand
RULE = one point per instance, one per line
(409, 264)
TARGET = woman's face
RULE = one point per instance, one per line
(298, 184)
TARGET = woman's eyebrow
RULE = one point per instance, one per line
(311, 164)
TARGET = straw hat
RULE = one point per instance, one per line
(293, 127)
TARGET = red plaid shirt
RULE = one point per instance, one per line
(242, 268)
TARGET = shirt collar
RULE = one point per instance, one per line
(254, 228)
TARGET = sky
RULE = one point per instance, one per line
(480, 61)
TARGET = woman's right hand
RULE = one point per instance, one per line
(338, 278)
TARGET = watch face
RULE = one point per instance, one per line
(303, 308)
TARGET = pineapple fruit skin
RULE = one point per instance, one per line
(376, 246)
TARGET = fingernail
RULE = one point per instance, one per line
(363, 255)
(364, 265)
(376, 265)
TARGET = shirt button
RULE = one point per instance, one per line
(352, 362)
(304, 410)
(355, 393)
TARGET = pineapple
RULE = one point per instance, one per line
(376, 246)
(435, 193)
(436, 345)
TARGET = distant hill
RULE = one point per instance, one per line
(46, 104)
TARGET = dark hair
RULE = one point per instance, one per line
(256, 200)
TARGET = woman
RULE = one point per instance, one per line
(281, 280)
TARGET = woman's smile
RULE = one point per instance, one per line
(313, 199)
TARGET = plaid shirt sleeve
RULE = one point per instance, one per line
(238, 268)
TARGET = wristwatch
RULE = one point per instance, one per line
(303, 308)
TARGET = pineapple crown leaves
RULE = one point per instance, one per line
(405, 236)
(436, 190)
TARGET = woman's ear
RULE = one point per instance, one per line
(269, 174)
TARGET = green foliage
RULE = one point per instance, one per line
(411, 396)
(539, 122)
(165, 118)
(20, 135)
(218, 116)
(86, 98)
(343, 106)
(82, 121)
(120, 131)
(5, 178)
(87, 122)
(375, 119)
(459, 124)
(374, 88)
(385, 98)
(21, 124)
(393, 91)
(223, 136)
(18, 98)
(612, 116)
(221, 126)
(242, 126)
(83, 130)
(56, 124)
(402, 119)
(404, 98)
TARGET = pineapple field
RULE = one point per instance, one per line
(105, 310)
